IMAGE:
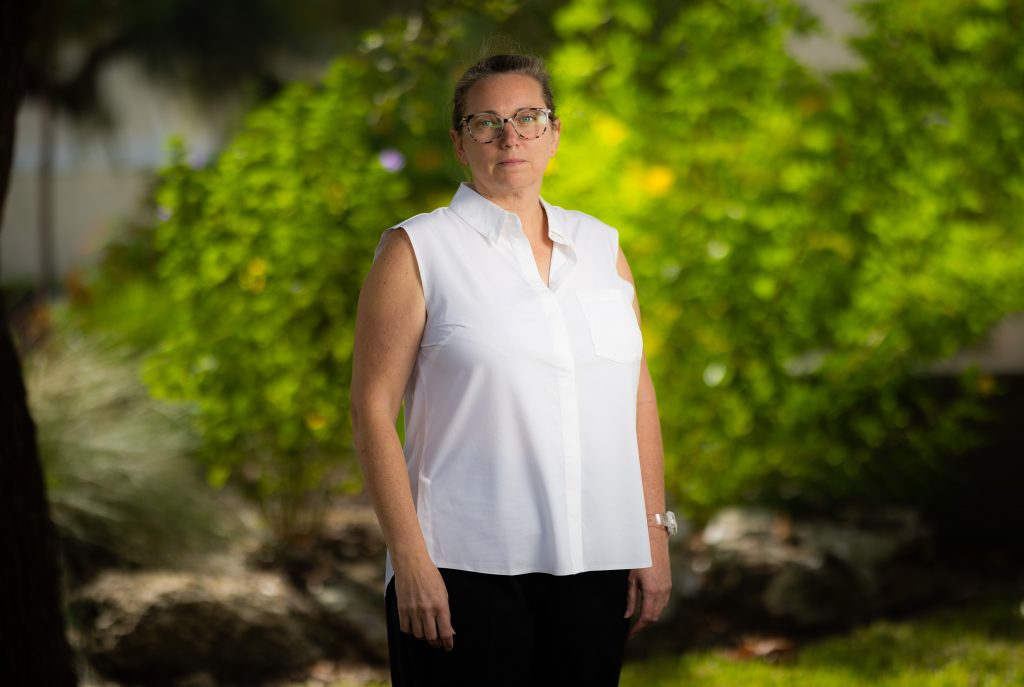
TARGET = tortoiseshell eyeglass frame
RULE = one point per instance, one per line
(507, 120)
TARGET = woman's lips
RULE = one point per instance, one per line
(512, 161)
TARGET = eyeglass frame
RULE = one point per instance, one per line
(506, 120)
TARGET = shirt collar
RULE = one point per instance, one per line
(555, 229)
(490, 219)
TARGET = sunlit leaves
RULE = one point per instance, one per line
(263, 253)
(801, 246)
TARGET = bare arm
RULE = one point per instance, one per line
(389, 326)
(650, 587)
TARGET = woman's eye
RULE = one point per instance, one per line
(527, 119)
(487, 123)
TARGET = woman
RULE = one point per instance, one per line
(525, 519)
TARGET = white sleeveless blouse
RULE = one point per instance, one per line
(520, 412)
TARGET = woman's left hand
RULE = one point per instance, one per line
(649, 588)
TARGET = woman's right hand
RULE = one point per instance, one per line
(423, 605)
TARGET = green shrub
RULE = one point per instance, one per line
(260, 257)
(803, 247)
(263, 255)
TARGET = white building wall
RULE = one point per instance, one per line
(101, 178)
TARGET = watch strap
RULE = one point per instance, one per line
(666, 520)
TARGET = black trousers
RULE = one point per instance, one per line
(530, 630)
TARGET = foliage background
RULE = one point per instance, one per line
(815, 242)
(804, 245)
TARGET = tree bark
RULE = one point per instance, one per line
(33, 645)
(45, 204)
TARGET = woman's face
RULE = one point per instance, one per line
(510, 164)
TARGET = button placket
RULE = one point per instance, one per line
(570, 427)
(561, 347)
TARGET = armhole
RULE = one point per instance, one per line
(415, 255)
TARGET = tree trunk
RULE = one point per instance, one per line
(33, 645)
(45, 205)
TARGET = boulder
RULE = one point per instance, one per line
(758, 570)
(162, 627)
(341, 569)
(806, 574)
(356, 613)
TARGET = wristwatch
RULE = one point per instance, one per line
(666, 520)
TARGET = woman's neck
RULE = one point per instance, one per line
(524, 203)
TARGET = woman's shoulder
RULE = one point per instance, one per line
(424, 220)
(416, 228)
(580, 226)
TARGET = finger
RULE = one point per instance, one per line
(430, 630)
(642, 620)
(417, 628)
(445, 631)
(434, 642)
(630, 597)
(650, 610)
(405, 623)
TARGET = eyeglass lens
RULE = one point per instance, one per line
(527, 123)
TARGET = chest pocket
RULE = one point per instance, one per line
(613, 326)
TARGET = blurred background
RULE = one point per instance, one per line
(821, 201)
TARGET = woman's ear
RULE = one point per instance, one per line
(556, 134)
(460, 151)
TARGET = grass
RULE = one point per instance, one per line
(978, 644)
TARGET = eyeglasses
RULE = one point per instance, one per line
(486, 127)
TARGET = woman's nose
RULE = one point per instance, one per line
(508, 136)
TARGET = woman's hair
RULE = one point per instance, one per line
(501, 64)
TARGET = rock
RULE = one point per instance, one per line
(814, 573)
(355, 612)
(197, 680)
(758, 570)
(341, 569)
(364, 571)
(821, 594)
(166, 628)
(352, 591)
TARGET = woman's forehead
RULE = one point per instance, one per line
(501, 92)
